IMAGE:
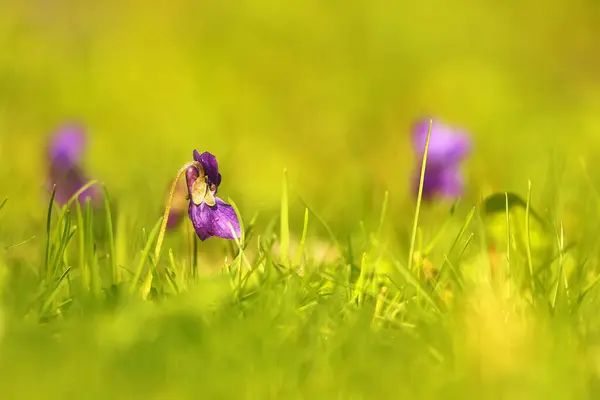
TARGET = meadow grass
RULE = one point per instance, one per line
(495, 305)
(342, 285)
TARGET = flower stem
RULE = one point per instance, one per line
(163, 228)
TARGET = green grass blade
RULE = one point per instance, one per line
(115, 271)
(48, 235)
(528, 246)
(121, 245)
(3, 203)
(324, 224)
(59, 284)
(413, 238)
(302, 238)
(384, 207)
(561, 246)
(284, 224)
(67, 234)
(411, 280)
(508, 241)
(241, 221)
(144, 256)
(83, 265)
(194, 259)
(82, 189)
(95, 284)
(12, 246)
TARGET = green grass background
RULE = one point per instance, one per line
(328, 90)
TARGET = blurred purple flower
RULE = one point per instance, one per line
(65, 153)
(448, 147)
(210, 215)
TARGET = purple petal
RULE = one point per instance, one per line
(446, 146)
(440, 181)
(67, 145)
(210, 165)
(214, 221)
(191, 175)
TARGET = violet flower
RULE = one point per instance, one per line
(448, 147)
(210, 215)
(65, 153)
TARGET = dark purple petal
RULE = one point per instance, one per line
(440, 181)
(214, 221)
(210, 165)
(446, 146)
(191, 175)
(67, 145)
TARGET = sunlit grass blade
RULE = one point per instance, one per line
(194, 259)
(302, 238)
(508, 236)
(83, 262)
(74, 199)
(384, 207)
(284, 224)
(411, 280)
(95, 284)
(115, 272)
(440, 232)
(48, 233)
(121, 244)
(528, 244)
(325, 225)
(12, 246)
(363, 279)
(242, 240)
(560, 275)
(419, 200)
(59, 284)
(64, 239)
(241, 253)
(144, 256)
(171, 273)
(463, 229)
(76, 195)
(146, 287)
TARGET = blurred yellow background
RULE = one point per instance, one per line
(327, 89)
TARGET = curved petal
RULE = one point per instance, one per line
(210, 165)
(201, 217)
(225, 218)
(446, 146)
(191, 175)
(214, 221)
